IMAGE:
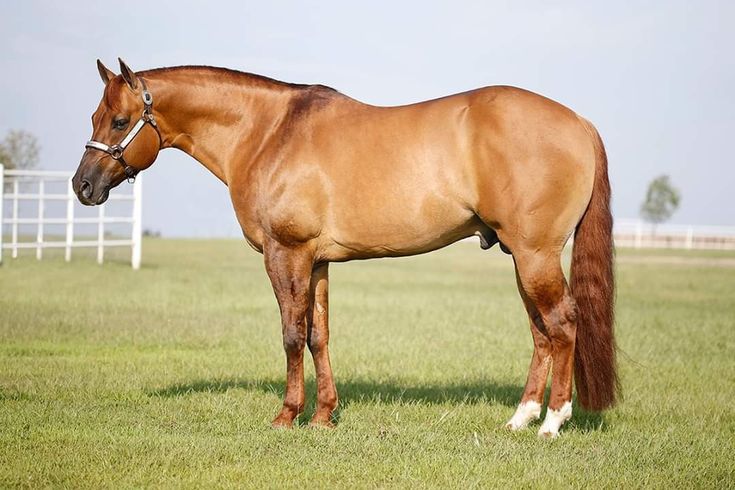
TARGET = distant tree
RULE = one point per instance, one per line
(662, 199)
(19, 150)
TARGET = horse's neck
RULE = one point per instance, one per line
(216, 122)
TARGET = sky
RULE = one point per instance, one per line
(656, 78)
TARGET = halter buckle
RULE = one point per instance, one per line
(147, 98)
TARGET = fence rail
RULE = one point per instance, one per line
(637, 234)
(13, 179)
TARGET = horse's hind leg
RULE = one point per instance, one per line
(529, 408)
(546, 289)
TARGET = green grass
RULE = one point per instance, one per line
(169, 376)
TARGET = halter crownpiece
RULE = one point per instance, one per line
(116, 151)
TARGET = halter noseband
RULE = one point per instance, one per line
(116, 151)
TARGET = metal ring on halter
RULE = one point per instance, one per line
(130, 173)
(116, 152)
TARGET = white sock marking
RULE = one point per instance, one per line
(554, 420)
(525, 413)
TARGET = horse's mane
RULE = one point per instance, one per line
(235, 75)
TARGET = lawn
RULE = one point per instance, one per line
(170, 375)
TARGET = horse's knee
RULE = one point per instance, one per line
(318, 340)
(294, 338)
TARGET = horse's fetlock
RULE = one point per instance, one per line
(329, 401)
(294, 409)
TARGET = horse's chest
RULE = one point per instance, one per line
(287, 214)
(246, 211)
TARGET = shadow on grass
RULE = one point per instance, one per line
(358, 390)
(389, 392)
(583, 421)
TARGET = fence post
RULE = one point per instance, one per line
(638, 235)
(2, 216)
(690, 238)
(137, 232)
(39, 229)
(69, 221)
(101, 235)
(14, 226)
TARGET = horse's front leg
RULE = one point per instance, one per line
(318, 338)
(289, 269)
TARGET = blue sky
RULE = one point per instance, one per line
(657, 78)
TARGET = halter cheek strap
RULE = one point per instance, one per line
(116, 151)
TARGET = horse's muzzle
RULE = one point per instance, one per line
(91, 191)
(85, 190)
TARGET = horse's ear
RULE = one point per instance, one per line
(129, 75)
(105, 74)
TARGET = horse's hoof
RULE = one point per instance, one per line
(526, 413)
(554, 420)
(546, 434)
(516, 425)
(513, 427)
(282, 423)
(321, 423)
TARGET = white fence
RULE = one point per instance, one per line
(23, 186)
(637, 234)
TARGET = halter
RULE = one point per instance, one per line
(116, 151)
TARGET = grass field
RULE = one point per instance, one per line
(169, 376)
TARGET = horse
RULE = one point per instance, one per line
(317, 177)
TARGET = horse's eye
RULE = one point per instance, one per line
(120, 123)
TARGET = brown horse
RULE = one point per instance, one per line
(317, 177)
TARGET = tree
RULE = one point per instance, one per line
(662, 199)
(19, 150)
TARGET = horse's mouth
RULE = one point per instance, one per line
(103, 196)
(90, 201)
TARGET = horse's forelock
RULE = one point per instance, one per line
(113, 93)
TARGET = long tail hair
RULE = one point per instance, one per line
(593, 288)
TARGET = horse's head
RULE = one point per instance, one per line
(125, 139)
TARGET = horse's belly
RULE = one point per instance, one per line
(393, 229)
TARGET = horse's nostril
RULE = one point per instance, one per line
(86, 189)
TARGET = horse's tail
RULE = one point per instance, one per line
(593, 289)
